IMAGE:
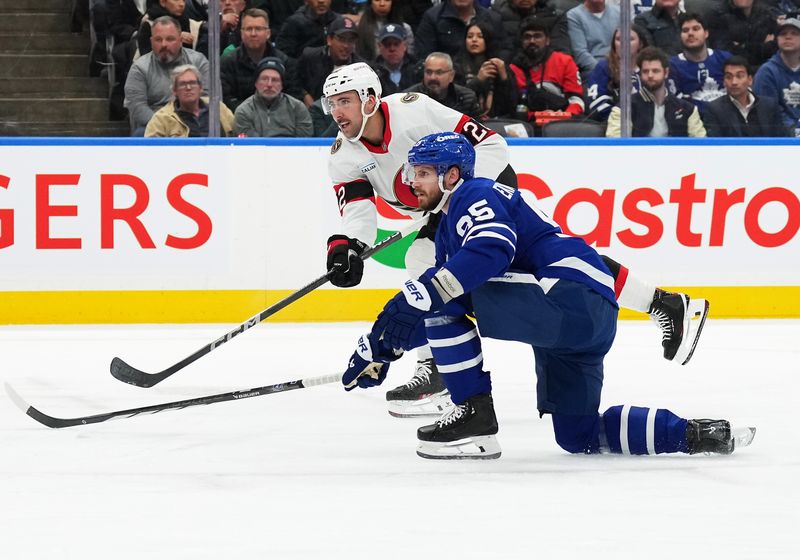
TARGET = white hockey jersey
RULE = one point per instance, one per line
(361, 171)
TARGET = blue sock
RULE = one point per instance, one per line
(634, 430)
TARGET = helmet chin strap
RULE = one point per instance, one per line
(364, 118)
(445, 194)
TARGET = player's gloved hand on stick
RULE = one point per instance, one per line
(402, 317)
(368, 367)
(344, 260)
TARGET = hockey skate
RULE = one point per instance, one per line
(423, 395)
(681, 321)
(465, 432)
(716, 436)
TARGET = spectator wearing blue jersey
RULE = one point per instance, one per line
(591, 27)
(602, 89)
(502, 259)
(697, 70)
(779, 77)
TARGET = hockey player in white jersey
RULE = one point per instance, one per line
(366, 160)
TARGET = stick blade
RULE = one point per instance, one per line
(132, 376)
(34, 413)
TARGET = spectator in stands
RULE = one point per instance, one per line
(602, 89)
(123, 20)
(485, 73)
(697, 71)
(437, 83)
(149, 87)
(229, 29)
(394, 67)
(740, 112)
(545, 80)
(279, 11)
(743, 27)
(269, 112)
(661, 22)
(779, 77)
(591, 27)
(512, 12)
(186, 116)
(238, 68)
(190, 29)
(316, 63)
(654, 111)
(374, 18)
(307, 27)
(444, 27)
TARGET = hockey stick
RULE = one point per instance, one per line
(53, 422)
(133, 376)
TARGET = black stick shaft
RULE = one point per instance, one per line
(129, 374)
(53, 422)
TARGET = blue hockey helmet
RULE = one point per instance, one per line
(444, 150)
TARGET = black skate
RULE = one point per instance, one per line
(423, 395)
(716, 436)
(465, 432)
(681, 321)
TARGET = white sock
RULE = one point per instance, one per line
(636, 294)
(424, 353)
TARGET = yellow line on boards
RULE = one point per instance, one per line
(235, 306)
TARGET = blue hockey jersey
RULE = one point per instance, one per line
(489, 229)
(700, 82)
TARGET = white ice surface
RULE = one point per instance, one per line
(321, 473)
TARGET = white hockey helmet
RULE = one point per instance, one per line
(358, 77)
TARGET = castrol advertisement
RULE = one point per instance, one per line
(211, 217)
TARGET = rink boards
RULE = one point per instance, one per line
(132, 231)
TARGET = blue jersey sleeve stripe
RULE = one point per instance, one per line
(494, 235)
(482, 227)
(587, 269)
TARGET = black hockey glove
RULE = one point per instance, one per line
(344, 261)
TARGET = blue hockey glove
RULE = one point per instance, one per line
(344, 260)
(402, 317)
(368, 368)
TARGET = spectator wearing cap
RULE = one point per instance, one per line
(376, 15)
(395, 68)
(238, 68)
(186, 116)
(315, 64)
(779, 77)
(437, 83)
(269, 112)
(443, 27)
(306, 28)
(740, 112)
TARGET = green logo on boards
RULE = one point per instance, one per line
(395, 254)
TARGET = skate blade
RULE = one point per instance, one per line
(742, 437)
(478, 447)
(696, 314)
(435, 405)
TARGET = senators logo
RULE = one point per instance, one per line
(403, 192)
(409, 98)
(336, 145)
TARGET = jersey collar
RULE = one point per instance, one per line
(387, 134)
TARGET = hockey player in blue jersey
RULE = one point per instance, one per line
(503, 260)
